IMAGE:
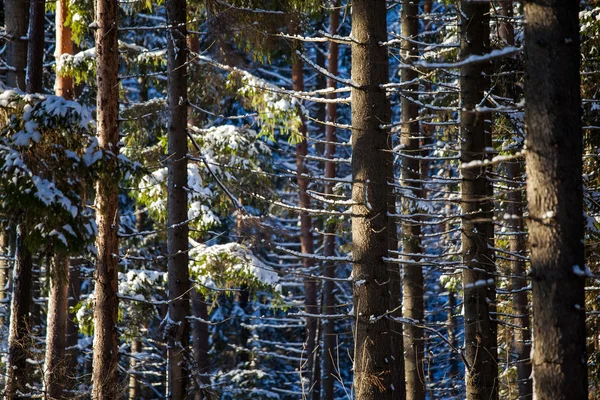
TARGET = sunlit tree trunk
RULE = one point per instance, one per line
(555, 199)
(378, 360)
(105, 357)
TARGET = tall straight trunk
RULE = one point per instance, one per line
(477, 209)
(177, 227)
(19, 335)
(378, 361)
(16, 23)
(35, 54)
(306, 232)
(55, 367)
(134, 383)
(412, 282)
(4, 277)
(105, 358)
(555, 199)
(328, 306)
(514, 170)
(63, 85)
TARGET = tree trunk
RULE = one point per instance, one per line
(306, 233)
(19, 335)
(63, 85)
(555, 199)
(16, 23)
(412, 283)
(104, 375)
(177, 326)
(134, 383)
(4, 277)
(328, 306)
(35, 54)
(378, 361)
(477, 209)
(56, 334)
(514, 170)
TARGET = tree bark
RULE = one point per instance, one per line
(63, 85)
(56, 331)
(19, 335)
(105, 357)
(412, 282)
(177, 210)
(4, 277)
(328, 306)
(378, 361)
(134, 383)
(35, 54)
(555, 199)
(16, 23)
(477, 209)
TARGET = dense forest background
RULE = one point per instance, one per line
(285, 199)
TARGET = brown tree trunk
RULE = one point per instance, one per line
(63, 85)
(16, 23)
(306, 233)
(412, 283)
(477, 209)
(378, 361)
(555, 199)
(177, 326)
(134, 383)
(514, 170)
(19, 335)
(35, 54)
(328, 306)
(104, 375)
(55, 367)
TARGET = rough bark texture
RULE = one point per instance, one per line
(104, 375)
(329, 243)
(63, 86)
(412, 281)
(555, 199)
(19, 335)
(55, 365)
(477, 209)
(35, 53)
(17, 20)
(378, 361)
(176, 324)
(306, 234)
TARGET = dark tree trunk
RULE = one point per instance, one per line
(555, 199)
(16, 23)
(477, 209)
(55, 367)
(412, 283)
(35, 54)
(19, 335)
(177, 326)
(104, 375)
(306, 232)
(378, 360)
(328, 306)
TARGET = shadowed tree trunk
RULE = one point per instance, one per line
(378, 360)
(555, 199)
(412, 282)
(306, 233)
(477, 209)
(16, 23)
(176, 324)
(104, 375)
(35, 54)
(55, 365)
(328, 306)
(19, 335)
(514, 170)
